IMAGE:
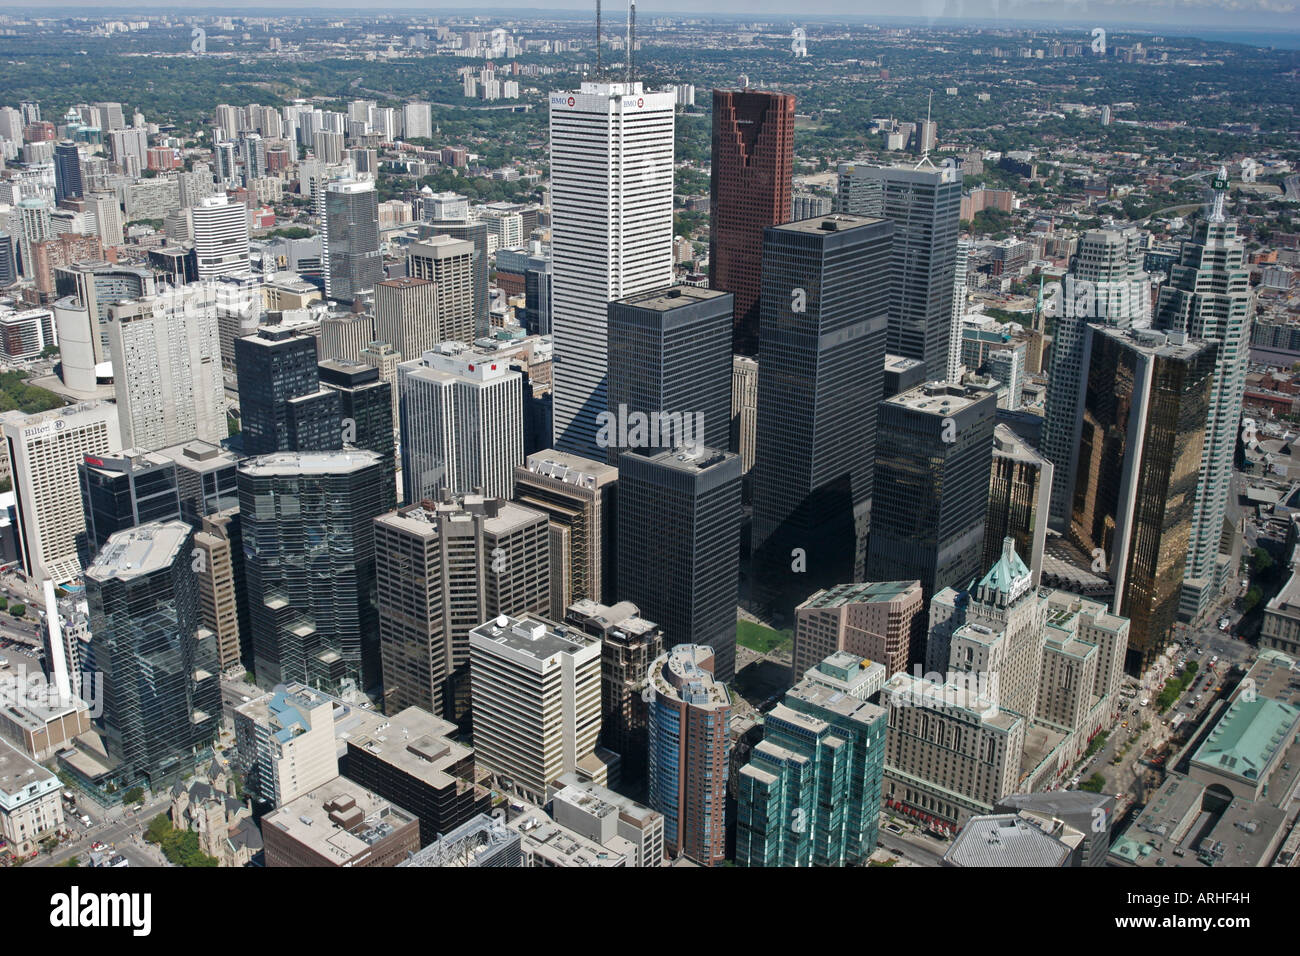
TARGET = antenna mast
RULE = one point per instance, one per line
(631, 43)
(597, 41)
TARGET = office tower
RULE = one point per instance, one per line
(219, 566)
(344, 335)
(44, 452)
(629, 644)
(881, 622)
(824, 313)
(205, 478)
(744, 409)
(536, 698)
(366, 413)
(476, 234)
(97, 285)
(108, 218)
(810, 794)
(162, 699)
(339, 824)
(858, 191)
(749, 190)
(382, 356)
(221, 237)
(406, 316)
(167, 380)
(309, 546)
(1020, 487)
(537, 294)
(669, 371)
(449, 264)
(282, 405)
(960, 268)
(411, 759)
(924, 206)
(462, 423)
(1208, 297)
(613, 141)
(8, 260)
(578, 496)
(67, 172)
(610, 819)
(441, 570)
(933, 460)
(689, 746)
(678, 545)
(120, 491)
(1146, 408)
(1105, 284)
(286, 743)
(350, 253)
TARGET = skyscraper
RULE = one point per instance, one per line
(476, 234)
(1105, 284)
(350, 254)
(441, 570)
(44, 452)
(612, 233)
(309, 544)
(689, 746)
(448, 263)
(1146, 408)
(932, 484)
(282, 405)
(678, 545)
(67, 172)
(462, 423)
(670, 362)
(880, 621)
(366, 416)
(121, 491)
(221, 237)
(1020, 488)
(536, 693)
(821, 355)
(406, 315)
(810, 794)
(1208, 297)
(166, 354)
(161, 694)
(753, 159)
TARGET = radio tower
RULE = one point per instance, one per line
(597, 76)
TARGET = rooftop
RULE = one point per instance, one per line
(138, 551)
(339, 820)
(870, 593)
(413, 741)
(294, 463)
(1247, 738)
(18, 771)
(534, 637)
(676, 297)
(1005, 840)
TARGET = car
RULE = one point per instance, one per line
(97, 846)
(893, 828)
(245, 699)
(1198, 699)
(1214, 660)
(1125, 724)
(1146, 701)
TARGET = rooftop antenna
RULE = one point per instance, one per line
(597, 41)
(631, 37)
(1220, 186)
(925, 134)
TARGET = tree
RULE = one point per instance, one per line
(1093, 784)
(18, 610)
(158, 828)
(134, 795)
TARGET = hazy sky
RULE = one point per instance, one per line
(1245, 15)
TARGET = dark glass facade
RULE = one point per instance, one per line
(750, 189)
(366, 413)
(67, 172)
(281, 403)
(121, 492)
(678, 546)
(670, 353)
(821, 366)
(309, 564)
(351, 237)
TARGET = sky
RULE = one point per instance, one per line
(1241, 15)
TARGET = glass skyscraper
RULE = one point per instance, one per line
(282, 405)
(350, 252)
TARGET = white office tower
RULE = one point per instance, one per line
(108, 218)
(1208, 297)
(44, 452)
(221, 237)
(955, 367)
(166, 354)
(462, 423)
(612, 234)
(1105, 284)
(536, 699)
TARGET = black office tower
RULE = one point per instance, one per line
(823, 315)
(309, 548)
(669, 361)
(677, 544)
(67, 172)
(366, 407)
(122, 491)
(282, 405)
(934, 455)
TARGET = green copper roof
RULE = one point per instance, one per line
(1007, 570)
(1247, 737)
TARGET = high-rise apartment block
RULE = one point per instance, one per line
(612, 233)
(753, 160)
(286, 743)
(220, 237)
(883, 622)
(689, 747)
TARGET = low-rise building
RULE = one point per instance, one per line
(339, 824)
(30, 804)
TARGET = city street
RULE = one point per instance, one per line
(121, 829)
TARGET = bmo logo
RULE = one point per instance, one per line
(571, 101)
(640, 102)
(560, 99)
